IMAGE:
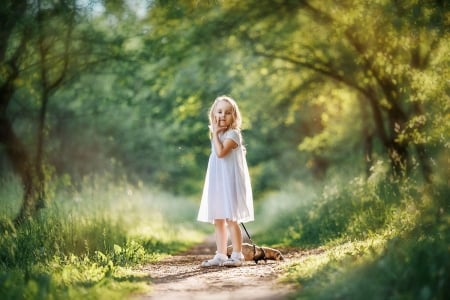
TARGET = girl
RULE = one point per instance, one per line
(227, 195)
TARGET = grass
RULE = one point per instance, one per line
(401, 268)
(381, 238)
(89, 241)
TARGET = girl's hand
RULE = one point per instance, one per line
(222, 148)
(216, 128)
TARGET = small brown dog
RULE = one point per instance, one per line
(256, 253)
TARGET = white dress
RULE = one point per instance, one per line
(227, 192)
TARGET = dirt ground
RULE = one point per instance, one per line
(180, 277)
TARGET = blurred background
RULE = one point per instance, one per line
(104, 137)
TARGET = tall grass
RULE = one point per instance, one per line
(85, 243)
(380, 238)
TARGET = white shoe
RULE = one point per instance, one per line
(233, 262)
(217, 260)
(236, 260)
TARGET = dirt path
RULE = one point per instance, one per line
(180, 277)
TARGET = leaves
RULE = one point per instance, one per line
(345, 81)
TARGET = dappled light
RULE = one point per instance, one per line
(104, 144)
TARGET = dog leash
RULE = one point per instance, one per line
(255, 257)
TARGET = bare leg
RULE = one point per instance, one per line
(236, 236)
(221, 236)
(221, 243)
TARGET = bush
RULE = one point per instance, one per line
(350, 210)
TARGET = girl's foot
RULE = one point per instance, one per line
(236, 260)
(218, 260)
(233, 262)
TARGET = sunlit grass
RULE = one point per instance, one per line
(88, 242)
(72, 282)
(367, 238)
(336, 257)
(307, 215)
(374, 238)
(400, 268)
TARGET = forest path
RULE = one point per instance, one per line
(180, 277)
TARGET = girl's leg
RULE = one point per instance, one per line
(221, 236)
(237, 257)
(236, 236)
(221, 243)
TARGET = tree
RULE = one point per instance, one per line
(372, 48)
(375, 51)
(16, 30)
(44, 47)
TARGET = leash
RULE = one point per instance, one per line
(255, 257)
(248, 235)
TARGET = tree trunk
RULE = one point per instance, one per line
(398, 150)
(367, 137)
(31, 170)
(39, 160)
(426, 168)
(22, 165)
(399, 157)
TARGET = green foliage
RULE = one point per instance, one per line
(315, 83)
(372, 238)
(72, 279)
(404, 268)
(345, 210)
(326, 91)
(88, 240)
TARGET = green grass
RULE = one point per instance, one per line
(379, 238)
(401, 268)
(89, 241)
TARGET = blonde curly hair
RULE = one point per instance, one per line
(237, 119)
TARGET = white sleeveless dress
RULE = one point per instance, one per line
(227, 192)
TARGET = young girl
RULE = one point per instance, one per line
(227, 195)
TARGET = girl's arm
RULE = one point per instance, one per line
(222, 149)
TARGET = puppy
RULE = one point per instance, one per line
(257, 253)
